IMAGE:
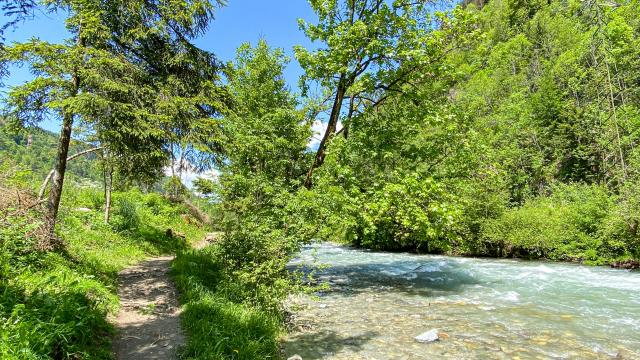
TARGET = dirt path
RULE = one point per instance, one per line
(149, 319)
(148, 323)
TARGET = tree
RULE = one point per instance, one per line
(185, 78)
(266, 135)
(205, 187)
(98, 77)
(371, 50)
(264, 165)
(533, 104)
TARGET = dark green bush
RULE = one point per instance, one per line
(620, 230)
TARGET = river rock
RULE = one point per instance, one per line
(295, 357)
(626, 264)
(427, 337)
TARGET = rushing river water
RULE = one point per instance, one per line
(483, 309)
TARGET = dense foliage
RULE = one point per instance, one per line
(527, 122)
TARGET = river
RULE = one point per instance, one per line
(379, 302)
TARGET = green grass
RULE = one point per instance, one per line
(55, 305)
(104, 251)
(217, 327)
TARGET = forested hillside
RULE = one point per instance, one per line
(519, 139)
(34, 149)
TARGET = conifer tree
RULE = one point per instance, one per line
(109, 75)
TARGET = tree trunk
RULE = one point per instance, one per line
(347, 123)
(43, 187)
(58, 173)
(63, 151)
(331, 129)
(108, 184)
(615, 120)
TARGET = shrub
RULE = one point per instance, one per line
(482, 198)
(95, 199)
(620, 230)
(125, 215)
(411, 213)
(561, 226)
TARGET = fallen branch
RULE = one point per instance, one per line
(43, 187)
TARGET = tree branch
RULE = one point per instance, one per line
(43, 187)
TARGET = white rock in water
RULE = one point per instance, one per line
(429, 336)
(295, 357)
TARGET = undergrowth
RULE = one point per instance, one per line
(219, 325)
(54, 305)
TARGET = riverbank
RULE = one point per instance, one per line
(623, 263)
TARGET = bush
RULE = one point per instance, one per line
(620, 230)
(125, 215)
(481, 199)
(561, 226)
(233, 290)
(96, 199)
(412, 213)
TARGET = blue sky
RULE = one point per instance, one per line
(240, 21)
(249, 20)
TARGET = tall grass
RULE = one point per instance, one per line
(217, 326)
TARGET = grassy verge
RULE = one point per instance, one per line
(54, 305)
(219, 327)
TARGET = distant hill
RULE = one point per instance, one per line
(35, 149)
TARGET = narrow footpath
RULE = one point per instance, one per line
(148, 323)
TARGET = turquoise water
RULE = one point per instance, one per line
(483, 308)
